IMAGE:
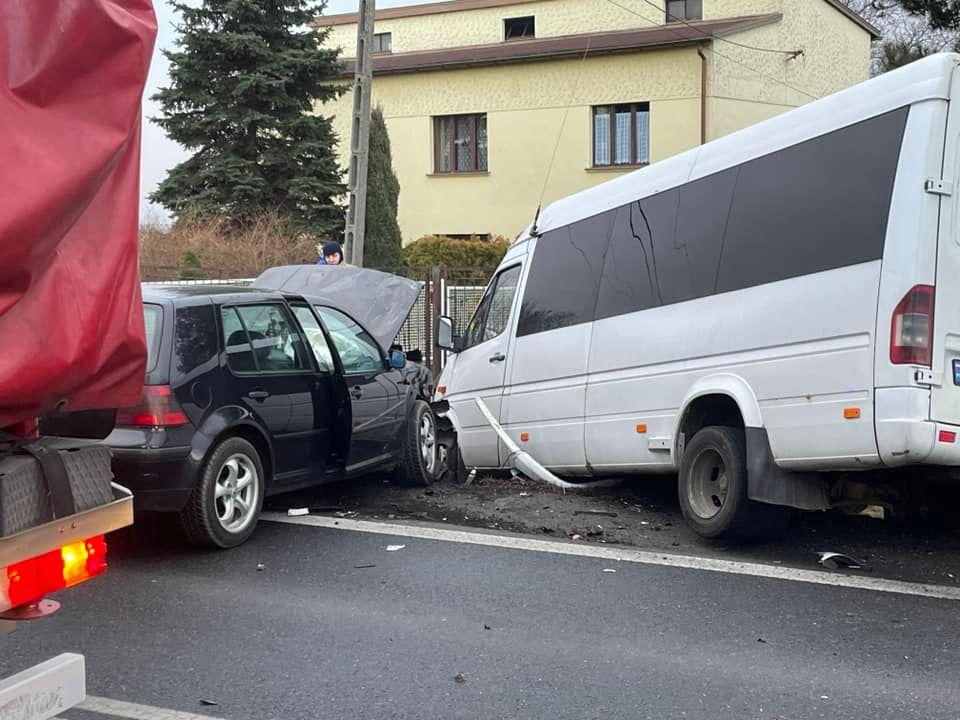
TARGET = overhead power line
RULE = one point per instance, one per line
(713, 49)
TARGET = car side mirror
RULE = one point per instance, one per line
(446, 340)
(398, 361)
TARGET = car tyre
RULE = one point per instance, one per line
(419, 459)
(224, 506)
(713, 489)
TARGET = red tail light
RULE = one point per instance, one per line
(911, 332)
(71, 565)
(158, 408)
(28, 429)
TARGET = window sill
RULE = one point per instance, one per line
(478, 173)
(615, 168)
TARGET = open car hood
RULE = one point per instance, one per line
(378, 301)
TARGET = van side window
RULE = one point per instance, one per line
(819, 205)
(564, 278)
(500, 303)
(493, 313)
(816, 206)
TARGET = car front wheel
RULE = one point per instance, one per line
(224, 506)
(419, 460)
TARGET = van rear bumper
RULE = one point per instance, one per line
(906, 435)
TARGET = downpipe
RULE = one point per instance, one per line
(524, 463)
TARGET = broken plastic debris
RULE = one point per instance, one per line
(835, 561)
(487, 627)
(296, 512)
(524, 494)
(394, 548)
(211, 703)
(459, 677)
(575, 536)
(260, 567)
(364, 567)
(609, 570)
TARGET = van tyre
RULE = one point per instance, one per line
(419, 460)
(224, 506)
(713, 488)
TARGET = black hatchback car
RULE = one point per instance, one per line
(251, 392)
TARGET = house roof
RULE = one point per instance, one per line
(563, 46)
(449, 6)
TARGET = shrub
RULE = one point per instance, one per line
(455, 253)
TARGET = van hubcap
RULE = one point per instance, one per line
(236, 493)
(709, 484)
(428, 442)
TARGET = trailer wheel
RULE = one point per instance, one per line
(225, 504)
(419, 457)
(713, 488)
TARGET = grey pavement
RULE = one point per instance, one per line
(313, 635)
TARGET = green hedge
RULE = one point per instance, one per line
(448, 252)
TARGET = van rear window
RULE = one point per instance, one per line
(153, 324)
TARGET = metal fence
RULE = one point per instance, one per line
(454, 292)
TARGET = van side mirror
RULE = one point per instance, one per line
(445, 337)
(398, 361)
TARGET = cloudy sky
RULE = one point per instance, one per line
(159, 153)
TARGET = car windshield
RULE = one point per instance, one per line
(153, 324)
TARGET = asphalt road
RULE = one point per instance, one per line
(314, 634)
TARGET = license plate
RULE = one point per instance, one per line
(956, 372)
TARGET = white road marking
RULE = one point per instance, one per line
(644, 557)
(133, 711)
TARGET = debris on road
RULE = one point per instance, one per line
(297, 512)
(609, 570)
(260, 567)
(761, 640)
(487, 627)
(363, 567)
(575, 536)
(394, 548)
(209, 703)
(459, 677)
(836, 561)
(604, 513)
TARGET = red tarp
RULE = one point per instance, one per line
(72, 74)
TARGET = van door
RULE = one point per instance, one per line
(480, 369)
(945, 395)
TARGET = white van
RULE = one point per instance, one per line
(759, 313)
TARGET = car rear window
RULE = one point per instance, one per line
(153, 324)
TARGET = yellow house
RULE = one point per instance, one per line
(496, 106)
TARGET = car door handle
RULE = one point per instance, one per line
(356, 393)
(258, 395)
(499, 357)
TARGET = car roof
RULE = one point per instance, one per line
(161, 293)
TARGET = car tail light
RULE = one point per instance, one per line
(911, 332)
(30, 580)
(28, 429)
(158, 408)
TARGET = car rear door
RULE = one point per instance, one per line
(270, 375)
(363, 366)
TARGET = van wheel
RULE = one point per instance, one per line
(224, 506)
(713, 488)
(419, 459)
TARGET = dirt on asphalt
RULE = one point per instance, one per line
(642, 514)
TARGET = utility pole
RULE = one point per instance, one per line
(360, 135)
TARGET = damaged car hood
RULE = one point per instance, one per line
(380, 302)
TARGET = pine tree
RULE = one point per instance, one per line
(382, 240)
(244, 81)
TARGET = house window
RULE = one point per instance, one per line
(621, 134)
(678, 10)
(383, 43)
(460, 143)
(517, 28)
